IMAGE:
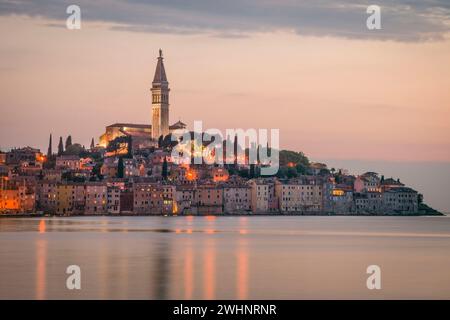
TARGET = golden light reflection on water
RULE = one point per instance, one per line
(242, 262)
(41, 268)
(188, 272)
(242, 270)
(210, 272)
(42, 226)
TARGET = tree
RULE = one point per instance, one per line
(68, 141)
(287, 156)
(92, 144)
(252, 173)
(130, 147)
(60, 146)
(75, 149)
(300, 169)
(49, 150)
(165, 170)
(120, 168)
(160, 141)
(291, 173)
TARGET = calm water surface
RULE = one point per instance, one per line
(225, 257)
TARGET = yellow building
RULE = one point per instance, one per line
(65, 195)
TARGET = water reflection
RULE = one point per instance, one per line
(209, 276)
(42, 226)
(161, 276)
(242, 262)
(242, 270)
(41, 268)
(188, 272)
(225, 257)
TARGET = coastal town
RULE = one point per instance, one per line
(131, 171)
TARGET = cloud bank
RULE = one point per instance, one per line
(402, 20)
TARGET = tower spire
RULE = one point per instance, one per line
(160, 100)
(160, 77)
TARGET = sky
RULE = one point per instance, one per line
(312, 69)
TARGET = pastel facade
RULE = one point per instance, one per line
(96, 198)
(237, 198)
(66, 162)
(147, 198)
(260, 196)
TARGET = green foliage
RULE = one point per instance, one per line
(50, 163)
(60, 147)
(165, 171)
(96, 171)
(287, 156)
(68, 141)
(75, 149)
(118, 143)
(120, 168)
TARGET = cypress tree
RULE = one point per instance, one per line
(68, 141)
(120, 168)
(60, 146)
(49, 150)
(165, 171)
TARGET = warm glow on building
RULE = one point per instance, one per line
(338, 192)
(191, 174)
(220, 175)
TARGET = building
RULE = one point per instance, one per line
(148, 198)
(160, 100)
(2, 158)
(237, 198)
(126, 200)
(131, 168)
(260, 195)
(208, 199)
(65, 195)
(9, 201)
(113, 200)
(219, 174)
(16, 199)
(96, 197)
(401, 200)
(68, 162)
(390, 183)
(47, 192)
(142, 135)
(184, 196)
(51, 175)
(370, 202)
(299, 196)
(70, 198)
(337, 198)
(169, 204)
(368, 181)
(27, 154)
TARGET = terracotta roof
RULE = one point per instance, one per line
(131, 125)
(178, 125)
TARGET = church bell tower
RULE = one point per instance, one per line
(160, 101)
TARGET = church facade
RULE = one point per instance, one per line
(147, 135)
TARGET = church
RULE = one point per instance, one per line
(144, 135)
